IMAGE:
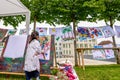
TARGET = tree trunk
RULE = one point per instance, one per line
(75, 52)
(34, 24)
(113, 38)
(117, 54)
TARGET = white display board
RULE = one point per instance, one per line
(15, 47)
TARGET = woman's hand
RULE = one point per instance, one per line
(42, 51)
(36, 54)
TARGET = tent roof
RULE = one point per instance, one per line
(12, 7)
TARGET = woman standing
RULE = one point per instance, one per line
(32, 65)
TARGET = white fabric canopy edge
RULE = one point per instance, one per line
(26, 13)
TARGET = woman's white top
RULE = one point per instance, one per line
(31, 60)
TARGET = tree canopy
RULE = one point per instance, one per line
(107, 10)
(66, 10)
(12, 20)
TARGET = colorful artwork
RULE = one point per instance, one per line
(109, 52)
(98, 54)
(57, 32)
(11, 65)
(45, 42)
(103, 54)
(11, 32)
(67, 33)
(83, 33)
(2, 33)
(22, 31)
(108, 31)
(95, 32)
(42, 31)
(47, 61)
(117, 30)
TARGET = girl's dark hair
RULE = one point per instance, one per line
(34, 35)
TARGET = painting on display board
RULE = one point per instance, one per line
(103, 54)
(109, 52)
(67, 33)
(22, 32)
(57, 32)
(2, 33)
(12, 57)
(46, 60)
(11, 65)
(98, 54)
(83, 33)
(11, 32)
(117, 30)
(108, 31)
(42, 31)
(96, 32)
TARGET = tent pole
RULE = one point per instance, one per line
(27, 22)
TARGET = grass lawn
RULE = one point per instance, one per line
(101, 72)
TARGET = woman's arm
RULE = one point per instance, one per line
(38, 48)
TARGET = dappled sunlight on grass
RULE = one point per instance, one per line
(99, 72)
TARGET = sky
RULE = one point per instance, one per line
(80, 24)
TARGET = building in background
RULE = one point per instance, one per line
(86, 44)
(58, 49)
(65, 49)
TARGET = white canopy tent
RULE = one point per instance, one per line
(14, 7)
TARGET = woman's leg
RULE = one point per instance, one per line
(36, 75)
(27, 75)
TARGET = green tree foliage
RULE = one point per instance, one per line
(12, 20)
(66, 10)
(40, 10)
(107, 10)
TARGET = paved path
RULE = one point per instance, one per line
(97, 62)
(88, 60)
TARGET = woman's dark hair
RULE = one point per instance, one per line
(34, 35)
